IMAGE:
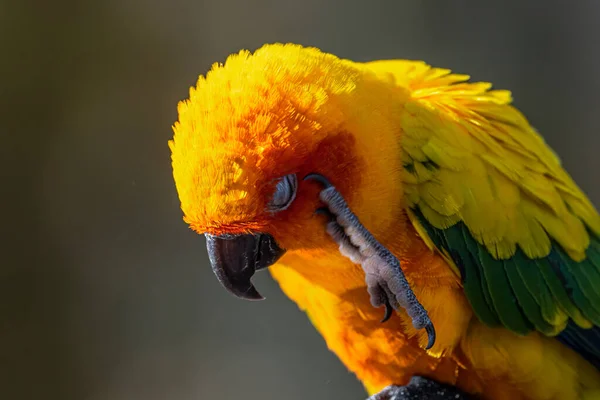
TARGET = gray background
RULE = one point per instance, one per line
(104, 292)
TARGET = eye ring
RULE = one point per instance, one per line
(285, 193)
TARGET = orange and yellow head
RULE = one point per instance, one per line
(285, 109)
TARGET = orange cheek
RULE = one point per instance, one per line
(297, 228)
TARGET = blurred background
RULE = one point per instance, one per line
(105, 294)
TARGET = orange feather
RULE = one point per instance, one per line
(289, 109)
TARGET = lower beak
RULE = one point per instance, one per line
(235, 258)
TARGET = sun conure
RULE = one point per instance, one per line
(417, 218)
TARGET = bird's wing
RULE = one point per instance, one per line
(483, 188)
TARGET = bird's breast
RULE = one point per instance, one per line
(332, 291)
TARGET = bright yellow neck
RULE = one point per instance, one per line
(333, 293)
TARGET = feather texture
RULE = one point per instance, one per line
(486, 190)
(467, 152)
(517, 241)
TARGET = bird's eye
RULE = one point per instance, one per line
(285, 193)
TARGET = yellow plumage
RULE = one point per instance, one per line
(490, 159)
(398, 138)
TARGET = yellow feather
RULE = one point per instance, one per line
(422, 173)
(434, 194)
(415, 136)
(566, 228)
(438, 220)
(513, 188)
(445, 156)
(536, 243)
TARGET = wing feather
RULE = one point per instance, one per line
(482, 187)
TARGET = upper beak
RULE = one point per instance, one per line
(235, 258)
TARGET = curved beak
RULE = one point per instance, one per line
(235, 258)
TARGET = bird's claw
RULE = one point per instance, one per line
(388, 312)
(386, 283)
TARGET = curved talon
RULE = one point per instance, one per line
(319, 178)
(388, 312)
(431, 335)
(358, 244)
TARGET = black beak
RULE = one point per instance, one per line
(235, 258)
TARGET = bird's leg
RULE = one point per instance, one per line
(380, 295)
(385, 280)
(420, 388)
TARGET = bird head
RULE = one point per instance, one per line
(254, 127)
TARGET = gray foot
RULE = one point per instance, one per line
(386, 283)
(420, 388)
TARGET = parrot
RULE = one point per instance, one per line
(426, 229)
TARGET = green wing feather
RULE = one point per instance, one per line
(490, 194)
(520, 293)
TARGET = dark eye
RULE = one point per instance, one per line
(285, 193)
